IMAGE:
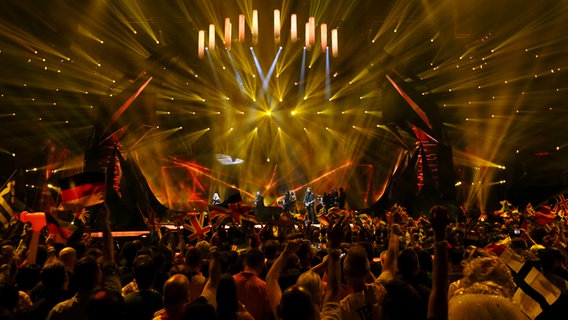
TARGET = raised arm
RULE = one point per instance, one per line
(438, 302)
(320, 267)
(108, 244)
(210, 289)
(109, 268)
(335, 237)
(273, 290)
(528, 237)
(390, 263)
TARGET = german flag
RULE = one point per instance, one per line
(82, 190)
(61, 229)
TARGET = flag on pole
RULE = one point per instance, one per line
(218, 213)
(6, 211)
(544, 215)
(241, 212)
(237, 211)
(323, 220)
(9, 204)
(335, 212)
(197, 226)
(536, 296)
(561, 206)
(82, 190)
(61, 229)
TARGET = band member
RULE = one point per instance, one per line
(309, 200)
(341, 198)
(334, 195)
(259, 200)
(319, 205)
(292, 204)
(289, 201)
(327, 202)
(286, 201)
(216, 199)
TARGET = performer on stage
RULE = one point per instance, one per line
(309, 200)
(289, 201)
(259, 200)
(341, 198)
(216, 199)
(292, 205)
(334, 195)
(286, 201)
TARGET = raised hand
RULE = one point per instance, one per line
(337, 232)
(439, 220)
(292, 246)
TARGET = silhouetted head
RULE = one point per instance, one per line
(176, 291)
(297, 304)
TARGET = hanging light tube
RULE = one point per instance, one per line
(334, 43)
(201, 44)
(277, 26)
(254, 26)
(211, 37)
(323, 29)
(241, 28)
(294, 28)
(228, 33)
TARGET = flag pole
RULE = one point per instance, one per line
(9, 179)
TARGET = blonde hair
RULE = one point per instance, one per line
(311, 281)
(488, 275)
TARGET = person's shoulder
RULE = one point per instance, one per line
(244, 315)
(66, 304)
(352, 301)
(63, 308)
(160, 314)
(331, 311)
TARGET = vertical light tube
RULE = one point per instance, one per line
(228, 33)
(277, 26)
(211, 37)
(327, 79)
(201, 44)
(323, 29)
(334, 43)
(308, 45)
(312, 25)
(254, 26)
(241, 28)
(294, 28)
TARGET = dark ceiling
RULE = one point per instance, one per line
(495, 69)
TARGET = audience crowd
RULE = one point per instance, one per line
(471, 266)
